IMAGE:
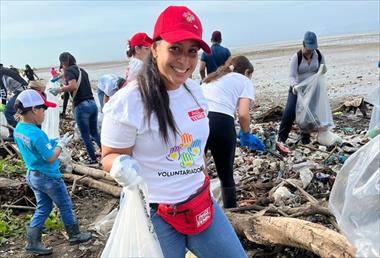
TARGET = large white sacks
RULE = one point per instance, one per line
(355, 199)
(3, 121)
(133, 233)
(374, 99)
(51, 123)
(313, 108)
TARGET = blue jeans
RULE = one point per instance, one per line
(86, 116)
(10, 111)
(218, 240)
(101, 95)
(48, 190)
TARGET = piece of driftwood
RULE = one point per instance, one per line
(17, 207)
(273, 114)
(93, 172)
(93, 183)
(293, 232)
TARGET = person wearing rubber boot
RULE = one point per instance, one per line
(40, 156)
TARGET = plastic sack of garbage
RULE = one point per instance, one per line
(313, 108)
(51, 123)
(66, 162)
(374, 96)
(354, 199)
(3, 121)
(133, 233)
(104, 226)
(374, 123)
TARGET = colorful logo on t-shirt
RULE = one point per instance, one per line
(186, 151)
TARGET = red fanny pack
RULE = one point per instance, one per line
(191, 216)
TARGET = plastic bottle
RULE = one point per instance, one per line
(272, 138)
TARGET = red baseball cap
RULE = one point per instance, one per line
(178, 23)
(140, 39)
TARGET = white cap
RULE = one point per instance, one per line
(32, 98)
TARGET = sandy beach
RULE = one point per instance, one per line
(351, 61)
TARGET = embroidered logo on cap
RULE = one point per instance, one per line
(188, 16)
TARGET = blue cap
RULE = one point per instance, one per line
(378, 64)
(310, 40)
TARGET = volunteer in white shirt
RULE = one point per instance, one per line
(160, 121)
(138, 49)
(108, 84)
(228, 89)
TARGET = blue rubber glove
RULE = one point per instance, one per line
(251, 141)
(255, 143)
(244, 138)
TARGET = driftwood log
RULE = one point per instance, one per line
(298, 233)
(93, 183)
(93, 172)
(11, 189)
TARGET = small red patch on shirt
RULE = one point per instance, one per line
(196, 114)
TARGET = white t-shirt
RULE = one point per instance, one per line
(172, 171)
(223, 94)
(133, 69)
(107, 84)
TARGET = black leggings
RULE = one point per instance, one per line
(222, 143)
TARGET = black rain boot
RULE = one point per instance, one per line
(75, 236)
(33, 238)
(229, 197)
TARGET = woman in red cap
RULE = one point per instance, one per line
(138, 49)
(157, 128)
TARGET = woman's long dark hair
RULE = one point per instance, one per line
(237, 64)
(155, 97)
(67, 59)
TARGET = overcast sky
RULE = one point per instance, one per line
(36, 32)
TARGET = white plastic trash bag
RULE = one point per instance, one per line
(374, 123)
(313, 108)
(355, 199)
(374, 96)
(133, 233)
(66, 162)
(50, 124)
(3, 121)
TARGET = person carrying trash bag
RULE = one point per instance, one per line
(303, 64)
(227, 90)
(160, 120)
(85, 110)
(108, 84)
(40, 155)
